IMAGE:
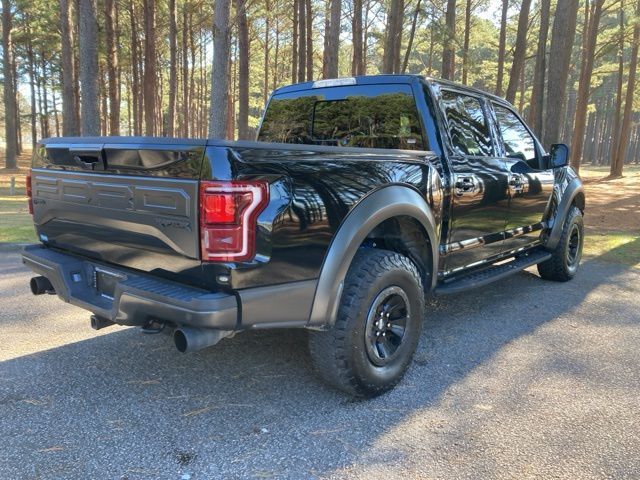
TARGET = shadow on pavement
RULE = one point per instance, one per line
(127, 405)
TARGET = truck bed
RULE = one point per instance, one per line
(133, 201)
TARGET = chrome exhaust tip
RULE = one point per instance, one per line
(189, 339)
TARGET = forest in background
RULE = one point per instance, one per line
(205, 69)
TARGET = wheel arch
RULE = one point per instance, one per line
(573, 195)
(388, 203)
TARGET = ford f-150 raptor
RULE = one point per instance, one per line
(361, 197)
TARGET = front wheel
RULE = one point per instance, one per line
(378, 325)
(565, 259)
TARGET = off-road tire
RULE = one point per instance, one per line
(342, 355)
(563, 265)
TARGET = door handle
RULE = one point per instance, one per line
(464, 185)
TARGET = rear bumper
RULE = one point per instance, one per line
(136, 298)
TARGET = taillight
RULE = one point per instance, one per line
(228, 219)
(29, 192)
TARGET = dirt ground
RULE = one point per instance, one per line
(613, 205)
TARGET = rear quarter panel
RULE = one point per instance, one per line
(312, 191)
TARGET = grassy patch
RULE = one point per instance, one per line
(16, 224)
(617, 247)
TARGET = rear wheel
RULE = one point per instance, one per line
(377, 328)
(565, 259)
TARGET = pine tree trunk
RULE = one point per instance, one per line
(70, 120)
(294, 44)
(150, 60)
(502, 47)
(276, 56)
(617, 163)
(129, 112)
(39, 99)
(10, 104)
(75, 34)
(243, 71)
(173, 68)
(431, 46)
(356, 38)
(520, 51)
(412, 34)
(397, 44)
(365, 36)
(112, 66)
(601, 151)
(522, 91)
(588, 139)
(56, 120)
(302, 41)
(45, 96)
(88, 28)
(465, 46)
(185, 71)
(333, 44)
(584, 87)
(562, 37)
(102, 94)
(18, 120)
(192, 84)
(636, 151)
(393, 37)
(569, 110)
(231, 104)
(309, 20)
(265, 85)
(219, 72)
(32, 85)
(620, 79)
(449, 49)
(135, 74)
(536, 109)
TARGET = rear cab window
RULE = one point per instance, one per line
(467, 124)
(366, 116)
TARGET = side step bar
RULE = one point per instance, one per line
(491, 274)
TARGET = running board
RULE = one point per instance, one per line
(491, 274)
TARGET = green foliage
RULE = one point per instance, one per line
(36, 27)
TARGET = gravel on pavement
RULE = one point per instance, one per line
(520, 379)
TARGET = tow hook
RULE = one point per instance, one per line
(98, 322)
(152, 327)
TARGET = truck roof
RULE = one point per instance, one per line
(387, 78)
(114, 140)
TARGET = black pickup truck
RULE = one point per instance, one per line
(361, 197)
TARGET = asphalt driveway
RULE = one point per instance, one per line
(523, 379)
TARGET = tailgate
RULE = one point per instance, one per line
(132, 203)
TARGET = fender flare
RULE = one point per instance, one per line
(381, 205)
(573, 189)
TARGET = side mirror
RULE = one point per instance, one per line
(559, 155)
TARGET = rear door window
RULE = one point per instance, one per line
(376, 116)
(467, 124)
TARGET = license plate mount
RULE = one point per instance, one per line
(105, 282)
